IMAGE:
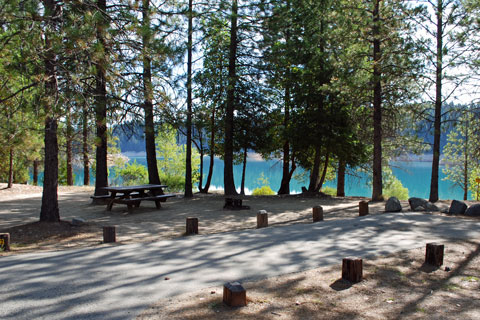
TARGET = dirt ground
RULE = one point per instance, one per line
(394, 287)
(20, 210)
(398, 286)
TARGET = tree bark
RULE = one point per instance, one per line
(341, 178)
(35, 172)
(315, 173)
(49, 211)
(101, 173)
(10, 169)
(86, 160)
(212, 153)
(377, 185)
(152, 167)
(244, 170)
(438, 106)
(285, 183)
(69, 138)
(324, 173)
(228, 178)
(188, 161)
(200, 178)
(465, 161)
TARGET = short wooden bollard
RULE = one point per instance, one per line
(352, 269)
(192, 226)
(362, 208)
(434, 254)
(234, 295)
(317, 213)
(109, 234)
(4, 241)
(262, 219)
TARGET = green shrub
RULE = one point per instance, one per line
(175, 183)
(132, 174)
(395, 189)
(330, 191)
(171, 161)
(263, 191)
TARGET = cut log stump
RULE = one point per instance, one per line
(352, 269)
(434, 254)
(109, 234)
(234, 295)
(317, 213)
(362, 208)
(4, 241)
(262, 219)
(192, 226)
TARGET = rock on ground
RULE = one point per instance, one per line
(393, 205)
(473, 211)
(418, 204)
(457, 207)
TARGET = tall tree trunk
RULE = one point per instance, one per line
(315, 173)
(101, 172)
(210, 169)
(244, 170)
(438, 106)
(152, 167)
(465, 161)
(285, 183)
(212, 152)
(324, 173)
(49, 211)
(36, 163)
(86, 160)
(286, 176)
(377, 107)
(200, 178)
(10, 169)
(188, 161)
(341, 178)
(69, 138)
(228, 178)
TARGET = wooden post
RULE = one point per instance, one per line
(109, 234)
(317, 213)
(352, 269)
(262, 219)
(362, 208)
(192, 226)
(434, 254)
(234, 295)
(4, 241)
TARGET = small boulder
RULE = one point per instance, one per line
(418, 204)
(78, 221)
(393, 205)
(473, 211)
(457, 207)
(431, 207)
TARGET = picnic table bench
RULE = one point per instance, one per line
(134, 195)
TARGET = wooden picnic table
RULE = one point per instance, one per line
(134, 195)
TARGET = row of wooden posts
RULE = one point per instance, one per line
(109, 232)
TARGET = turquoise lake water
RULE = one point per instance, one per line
(414, 175)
